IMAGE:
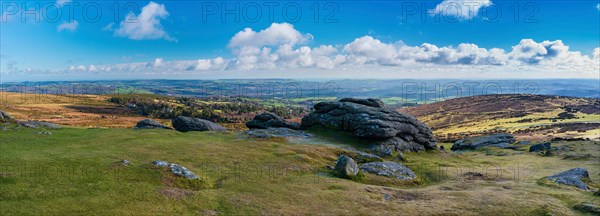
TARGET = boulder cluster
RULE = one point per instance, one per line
(388, 131)
(370, 119)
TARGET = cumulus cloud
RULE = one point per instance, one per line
(462, 9)
(68, 26)
(146, 25)
(274, 35)
(269, 50)
(548, 53)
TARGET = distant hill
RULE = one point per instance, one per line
(526, 116)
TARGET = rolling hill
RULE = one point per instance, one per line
(527, 116)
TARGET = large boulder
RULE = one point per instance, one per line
(388, 169)
(150, 124)
(38, 124)
(345, 167)
(185, 124)
(5, 117)
(540, 147)
(371, 119)
(270, 120)
(571, 177)
(501, 140)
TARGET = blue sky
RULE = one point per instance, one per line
(353, 39)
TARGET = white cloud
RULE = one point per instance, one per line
(547, 53)
(598, 6)
(366, 49)
(462, 9)
(274, 35)
(158, 62)
(146, 25)
(69, 26)
(267, 52)
(218, 63)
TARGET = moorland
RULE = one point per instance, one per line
(79, 168)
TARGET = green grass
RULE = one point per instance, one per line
(76, 172)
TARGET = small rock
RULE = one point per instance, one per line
(540, 147)
(125, 162)
(588, 207)
(177, 169)
(345, 167)
(182, 171)
(571, 177)
(160, 163)
(387, 197)
(329, 167)
(501, 140)
(150, 124)
(38, 124)
(44, 133)
(389, 169)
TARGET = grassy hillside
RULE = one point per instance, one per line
(536, 117)
(77, 171)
